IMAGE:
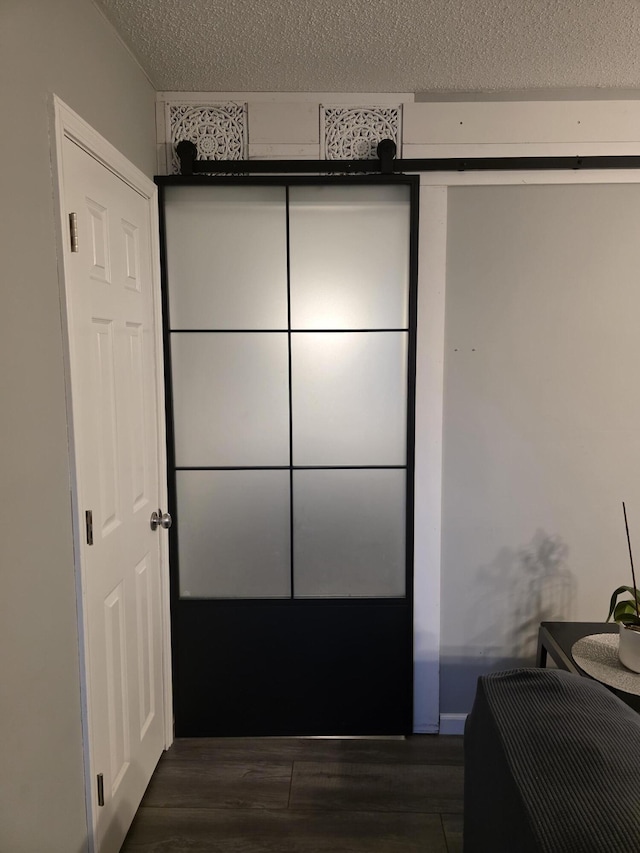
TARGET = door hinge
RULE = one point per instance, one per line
(73, 231)
(88, 516)
(100, 789)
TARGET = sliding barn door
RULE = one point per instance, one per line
(290, 370)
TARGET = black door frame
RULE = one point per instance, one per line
(393, 699)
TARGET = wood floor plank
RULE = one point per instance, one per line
(452, 824)
(163, 830)
(293, 795)
(379, 787)
(211, 784)
(417, 749)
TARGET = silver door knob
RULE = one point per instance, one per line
(160, 519)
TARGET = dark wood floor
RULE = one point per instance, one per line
(281, 795)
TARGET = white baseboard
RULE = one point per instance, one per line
(425, 729)
(452, 724)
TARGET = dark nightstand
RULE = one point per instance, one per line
(557, 638)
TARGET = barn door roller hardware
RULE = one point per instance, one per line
(387, 164)
(189, 165)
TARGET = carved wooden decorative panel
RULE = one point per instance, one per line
(353, 133)
(219, 131)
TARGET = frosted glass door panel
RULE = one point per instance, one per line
(234, 534)
(349, 257)
(349, 533)
(226, 257)
(349, 398)
(230, 399)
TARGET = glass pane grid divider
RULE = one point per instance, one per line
(356, 601)
(290, 467)
(284, 331)
(292, 571)
(404, 330)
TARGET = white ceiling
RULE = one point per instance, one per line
(382, 45)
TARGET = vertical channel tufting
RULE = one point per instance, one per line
(572, 748)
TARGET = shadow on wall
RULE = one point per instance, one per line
(545, 592)
(511, 596)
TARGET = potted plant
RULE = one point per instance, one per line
(627, 614)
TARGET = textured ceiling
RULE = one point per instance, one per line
(375, 46)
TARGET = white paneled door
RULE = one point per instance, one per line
(113, 370)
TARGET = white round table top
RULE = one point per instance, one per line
(597, 655)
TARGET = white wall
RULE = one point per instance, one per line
(68, 48)
(541, 417)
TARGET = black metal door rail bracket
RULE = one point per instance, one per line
(386, 164)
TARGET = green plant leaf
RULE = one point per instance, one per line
(619, 591)
(622, 609)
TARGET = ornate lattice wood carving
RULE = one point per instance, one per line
(219, 131)
(353, 133)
